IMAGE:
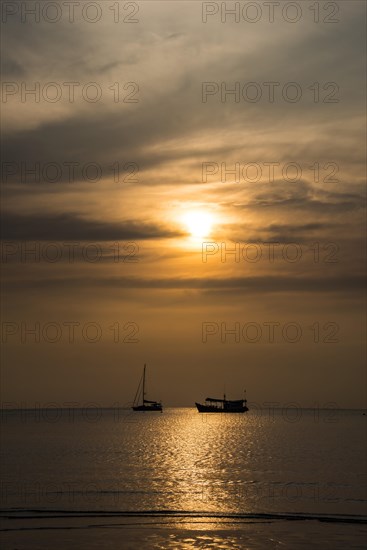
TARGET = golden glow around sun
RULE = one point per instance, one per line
(198, 223)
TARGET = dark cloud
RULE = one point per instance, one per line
(271, 284)
(287, 233)
(172, 108)
(301, 195)
(300, 228)
(60, 227)
(11, 68)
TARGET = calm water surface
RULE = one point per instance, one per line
(185, 466)
(183, 460)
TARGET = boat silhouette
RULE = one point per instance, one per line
(142, 404)
(214, 405)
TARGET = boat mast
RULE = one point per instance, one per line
(144, 383)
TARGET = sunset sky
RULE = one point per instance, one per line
(171, 296)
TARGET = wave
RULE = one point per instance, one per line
(26, 513)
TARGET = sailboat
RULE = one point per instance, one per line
(142, 404)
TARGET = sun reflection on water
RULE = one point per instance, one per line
(204, 462)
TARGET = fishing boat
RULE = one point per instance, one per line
(142, 404)
(214, 405)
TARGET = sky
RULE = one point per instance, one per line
(183, 188)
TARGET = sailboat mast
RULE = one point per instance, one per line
(144, 383)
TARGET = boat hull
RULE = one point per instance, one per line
(214, 409)
(145, 408)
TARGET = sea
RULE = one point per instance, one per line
(113, 478)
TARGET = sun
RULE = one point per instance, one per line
(198, 223)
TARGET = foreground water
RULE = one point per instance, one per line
(183, 479)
